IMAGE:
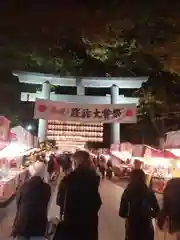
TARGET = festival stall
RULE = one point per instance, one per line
(17, 155)
(172, 146)
(158, 166)
(121, 155)
(104, 153)
(7, 180)
(13, 173)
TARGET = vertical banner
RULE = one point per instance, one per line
(4, 128)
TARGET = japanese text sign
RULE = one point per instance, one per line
(91, 113)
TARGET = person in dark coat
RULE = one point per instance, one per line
(138, 206)
(32, 208)
(79, 199)
(102, 166)
(109, 169)
(67, 164)
(50, 165)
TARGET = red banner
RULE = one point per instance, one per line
(138, 150)
(4, 128)
(153, 152)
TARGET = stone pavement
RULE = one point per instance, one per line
(111, 227)
(7, 221)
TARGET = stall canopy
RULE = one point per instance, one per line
(12, 150)
(138, 151)
(150, 152)
(170, 155)
(121, 152)
(172, 140)
(3, 145)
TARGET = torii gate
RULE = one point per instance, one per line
(81, 83)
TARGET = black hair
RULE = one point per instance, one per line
(138, 177)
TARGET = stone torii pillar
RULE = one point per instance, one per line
(81, 83)
(80, 87)
(115, 127)
(43, 124)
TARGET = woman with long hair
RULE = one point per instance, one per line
(169, 217)
(138, 206)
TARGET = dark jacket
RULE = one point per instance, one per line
(67, 163)
(109, 164)
(50, 165)
(78, 196)
(32, 206)
(139, 205)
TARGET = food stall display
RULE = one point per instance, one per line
(105, 153)
(172, 146)
(157, 164)
(121, 155)
(7, 185)
(13, 171)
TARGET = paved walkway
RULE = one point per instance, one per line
(111, 226)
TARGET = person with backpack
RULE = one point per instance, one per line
(79, 200)
(138, 206)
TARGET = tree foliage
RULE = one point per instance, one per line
(160, 103)
(100, 38)
(76, 37)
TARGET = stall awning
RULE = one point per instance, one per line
(3, 145)
(170, 155)
(151, 152)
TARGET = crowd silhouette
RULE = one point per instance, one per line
(79, 202)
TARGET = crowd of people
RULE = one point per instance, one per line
(79, 200)
(105, 168)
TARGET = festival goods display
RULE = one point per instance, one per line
(121, 156)
(15, 146)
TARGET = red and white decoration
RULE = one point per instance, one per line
(4, 128)
(104, 113)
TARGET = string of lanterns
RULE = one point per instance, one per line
(74, 138)
(75, 128)
(69, 133)
(54, 122)
(73, 131)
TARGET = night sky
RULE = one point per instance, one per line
(27, 26)
(44, 23)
